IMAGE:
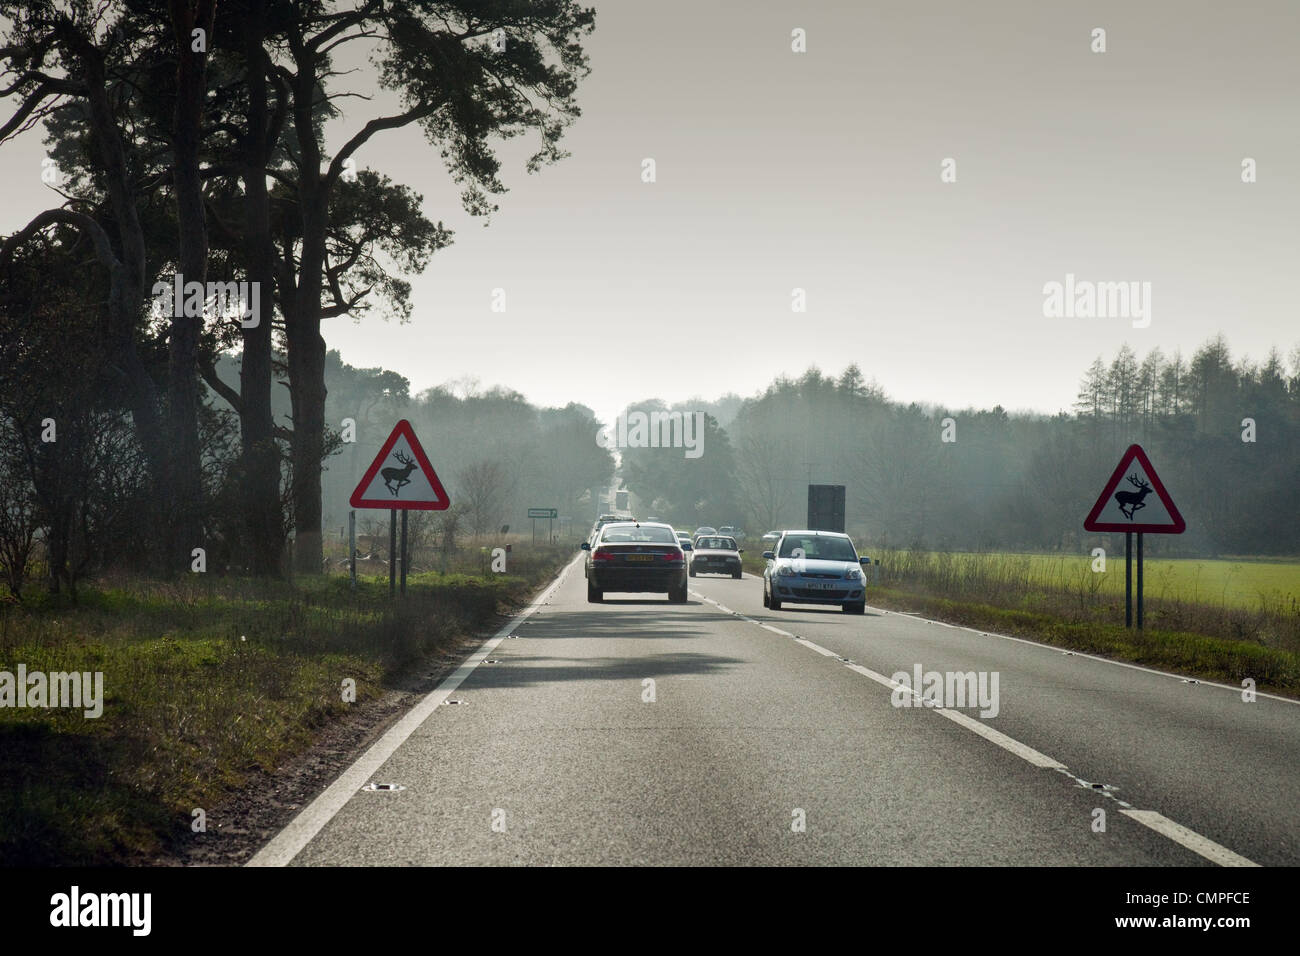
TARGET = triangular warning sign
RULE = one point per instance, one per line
(1135, 500)
(401, 477)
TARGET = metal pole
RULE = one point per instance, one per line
(1128, 578)
(352, 546)
(392, 552)
(403, 550)
(1139, 580)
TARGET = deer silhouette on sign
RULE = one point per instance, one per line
(1133, 499)
(396, 478)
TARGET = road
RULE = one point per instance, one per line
(753, 747)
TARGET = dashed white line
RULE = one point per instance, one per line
(1203, 846)
(816, 647)
(1161, 824)
(1023, 751)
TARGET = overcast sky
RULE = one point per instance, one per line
(821, 170)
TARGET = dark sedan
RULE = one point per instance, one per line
(636, 557)
(715, 554)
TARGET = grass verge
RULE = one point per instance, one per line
(1033, 597)
(206, 681)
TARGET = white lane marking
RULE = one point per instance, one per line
(1023, 751)
(1207, 848)
(1091, 657)
(1180, 834)
(875, 676)
(774, 630)
(816, 647)
(1009, 744)
(289, 842)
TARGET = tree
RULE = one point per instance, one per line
(466, 71)
(482, 489)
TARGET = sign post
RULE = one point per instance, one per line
(352, 547)
(405, 551)
(1125, 494)
(400, 479)
(550, 514)
(392, 551)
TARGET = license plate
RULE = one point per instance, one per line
(822, 585)
(640, 557)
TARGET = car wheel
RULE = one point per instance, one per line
(774, 602)
(766, 601)
(736, 575)
(594, 594)
(692, 570)
(678, 595)
(858, 608)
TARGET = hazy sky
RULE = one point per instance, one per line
(821, 170)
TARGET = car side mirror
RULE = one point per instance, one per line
(586, 546)
(770, 555)
(740, 551)
(864, 561)
(686, 546)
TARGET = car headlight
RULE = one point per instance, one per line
(785, 571)
(853, 574)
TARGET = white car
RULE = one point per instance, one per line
(814, 567)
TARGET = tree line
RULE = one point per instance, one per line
(1223, 433)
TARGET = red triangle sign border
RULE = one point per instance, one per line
(1135, 452)
(401, 430)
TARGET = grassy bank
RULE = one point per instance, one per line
(205, 680)
(1214, 619)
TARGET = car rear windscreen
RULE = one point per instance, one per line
(716, 544)
(620, 534)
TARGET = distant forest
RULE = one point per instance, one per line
(1008, 481)
(78, 496)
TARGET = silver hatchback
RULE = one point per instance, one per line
(814, 567)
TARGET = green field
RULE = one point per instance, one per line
(1245, 583)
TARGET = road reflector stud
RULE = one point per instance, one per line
(374, 787)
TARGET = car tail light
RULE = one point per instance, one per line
(673, 555)
(599, 555)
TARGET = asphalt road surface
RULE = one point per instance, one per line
(753, 746)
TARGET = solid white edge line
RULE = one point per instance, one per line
(302, 829)
(1198, 844)
(1091, 657)
(1204, 846)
